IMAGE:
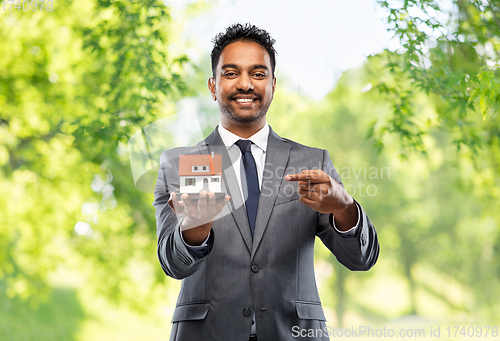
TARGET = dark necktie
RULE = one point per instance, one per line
(252, 180)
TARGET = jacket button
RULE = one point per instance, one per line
(255, 268)
(247, 312)
(363, 239)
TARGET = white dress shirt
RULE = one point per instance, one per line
(258, 147)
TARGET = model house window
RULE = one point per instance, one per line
(215, 179)
(199, 169)
(190, 182)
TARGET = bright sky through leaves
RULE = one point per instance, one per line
(316, 40)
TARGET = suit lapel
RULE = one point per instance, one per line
(237, 206)
(277, 154)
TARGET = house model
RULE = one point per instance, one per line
(200, 172)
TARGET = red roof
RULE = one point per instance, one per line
(187, 161)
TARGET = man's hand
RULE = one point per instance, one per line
(322, 193)
(199, 215)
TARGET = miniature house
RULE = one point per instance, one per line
(200, 172)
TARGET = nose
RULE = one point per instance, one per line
(245, 83)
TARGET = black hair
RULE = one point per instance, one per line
(238, 32)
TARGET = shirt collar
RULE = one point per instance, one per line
(259, 138)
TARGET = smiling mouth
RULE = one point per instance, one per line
(245, 100)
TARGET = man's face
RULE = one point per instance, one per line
(243, 84)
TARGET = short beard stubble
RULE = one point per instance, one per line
(226, 111)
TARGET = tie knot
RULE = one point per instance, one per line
(244, 145)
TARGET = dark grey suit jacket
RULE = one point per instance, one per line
(271, 275)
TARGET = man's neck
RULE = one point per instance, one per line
(243, 130)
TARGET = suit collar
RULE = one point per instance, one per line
(215, 139)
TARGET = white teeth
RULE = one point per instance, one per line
(244, 100)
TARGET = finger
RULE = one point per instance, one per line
(202, 201)
(171, 201)
(221, 203)
(309, 176)
(181, 207)
(308, 185)
(321, 188)
(175, 204)
(211, 200)
(308, 194)
(189, 206)
(308, 202)
(303, 192)
(294, 177)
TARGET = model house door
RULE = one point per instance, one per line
(205, 184)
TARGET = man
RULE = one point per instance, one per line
(246, 259)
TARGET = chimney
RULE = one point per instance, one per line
(213, 156)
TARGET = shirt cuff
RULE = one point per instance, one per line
(352, 231)
(202, 250)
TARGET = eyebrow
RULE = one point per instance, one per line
(256, 66)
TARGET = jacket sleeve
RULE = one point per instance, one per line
(176, 260)
(358, 251)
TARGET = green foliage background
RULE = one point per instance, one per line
(414, 134)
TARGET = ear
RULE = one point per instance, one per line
(211, 87)
(274, 84)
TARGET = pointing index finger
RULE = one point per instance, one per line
(304, 177)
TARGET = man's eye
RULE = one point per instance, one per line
(230, 74)
(260, 75)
